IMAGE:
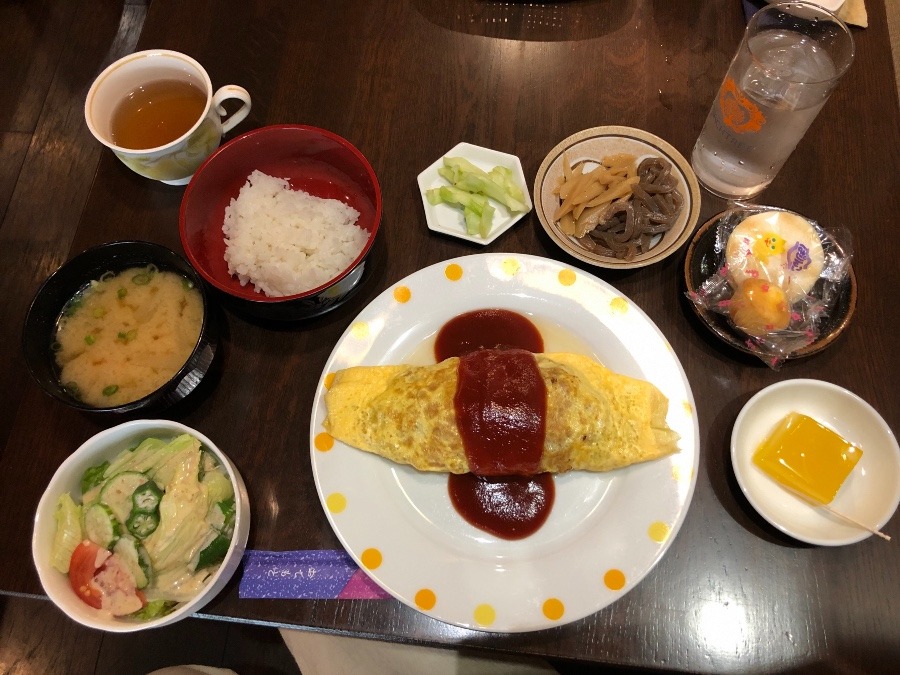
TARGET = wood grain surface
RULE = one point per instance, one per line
(405, 81)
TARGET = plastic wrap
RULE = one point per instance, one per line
(778, 278)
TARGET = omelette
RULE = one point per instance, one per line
(595, 419)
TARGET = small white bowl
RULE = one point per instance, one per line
(871, 492)
(106, 445)
(593, 145)
(448, 219)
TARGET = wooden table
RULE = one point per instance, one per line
(405, 80)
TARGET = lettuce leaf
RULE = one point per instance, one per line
(182, 527)
(93, 476)
(68, 532)
(154, 609)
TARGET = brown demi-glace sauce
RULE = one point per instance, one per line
(509, 507)
(500, 406)
(487, 329)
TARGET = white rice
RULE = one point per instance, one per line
(286, 241)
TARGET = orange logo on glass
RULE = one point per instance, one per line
(738, 112)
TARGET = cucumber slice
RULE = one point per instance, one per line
(101, 525)
(116, 492)
(129, 551)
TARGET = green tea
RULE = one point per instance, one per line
(156, 113)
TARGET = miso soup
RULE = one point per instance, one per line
(125, 335)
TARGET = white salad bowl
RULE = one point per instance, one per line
(105, 446)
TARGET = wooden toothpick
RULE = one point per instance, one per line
(853, 521)
(821, 505)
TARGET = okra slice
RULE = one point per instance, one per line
(146, 498)
(142, 525)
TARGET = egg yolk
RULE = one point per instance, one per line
(807, 457)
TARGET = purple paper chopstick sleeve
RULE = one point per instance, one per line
(305, 575)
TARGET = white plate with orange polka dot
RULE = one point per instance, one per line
(605, 532)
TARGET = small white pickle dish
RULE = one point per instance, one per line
(448, 219)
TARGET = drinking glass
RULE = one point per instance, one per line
(789, 61)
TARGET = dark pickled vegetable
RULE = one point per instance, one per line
(628, 229)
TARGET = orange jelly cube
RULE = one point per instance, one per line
(807, 457)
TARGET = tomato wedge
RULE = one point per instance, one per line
(87, 558)
(102, 581)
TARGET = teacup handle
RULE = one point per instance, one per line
(225, 93)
